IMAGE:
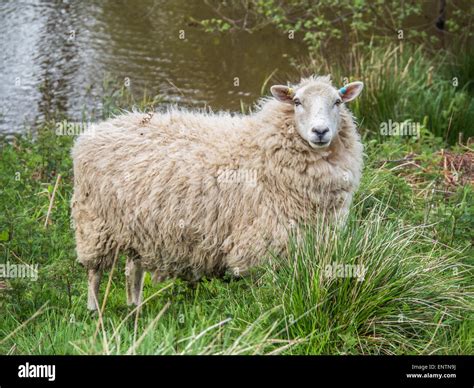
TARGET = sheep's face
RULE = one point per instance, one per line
(317, 106)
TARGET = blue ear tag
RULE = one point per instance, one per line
(343, 90)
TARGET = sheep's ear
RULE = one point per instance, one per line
(350, 91)
(283, 93)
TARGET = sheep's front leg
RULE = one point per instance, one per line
(94, 277)
(135, 275)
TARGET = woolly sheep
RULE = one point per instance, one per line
(193, 194)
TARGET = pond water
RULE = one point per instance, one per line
(56, 55)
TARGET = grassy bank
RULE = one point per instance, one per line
(410, 228)
(410, 231)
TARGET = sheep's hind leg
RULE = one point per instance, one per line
(135, 275)
(94, 277)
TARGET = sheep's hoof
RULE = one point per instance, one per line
(93, 312)
(92, 305)
(132, 302)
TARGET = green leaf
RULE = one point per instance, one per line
(4, 235)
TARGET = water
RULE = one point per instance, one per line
(56, 55)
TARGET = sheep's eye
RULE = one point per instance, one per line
(338, 102)
(297, 101)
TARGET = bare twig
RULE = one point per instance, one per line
(51, 202)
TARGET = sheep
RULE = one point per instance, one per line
(191, 194)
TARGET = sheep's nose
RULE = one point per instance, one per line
(320, 131)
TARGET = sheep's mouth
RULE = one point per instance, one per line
(319, 144)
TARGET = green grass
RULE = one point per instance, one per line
(410, 232)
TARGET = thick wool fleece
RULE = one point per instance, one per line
(195, 194)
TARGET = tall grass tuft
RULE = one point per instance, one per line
(409, 293)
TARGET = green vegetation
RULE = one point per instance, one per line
(410, 227)
(411, 235)
(324, 23)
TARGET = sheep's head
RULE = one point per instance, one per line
(317, 107)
